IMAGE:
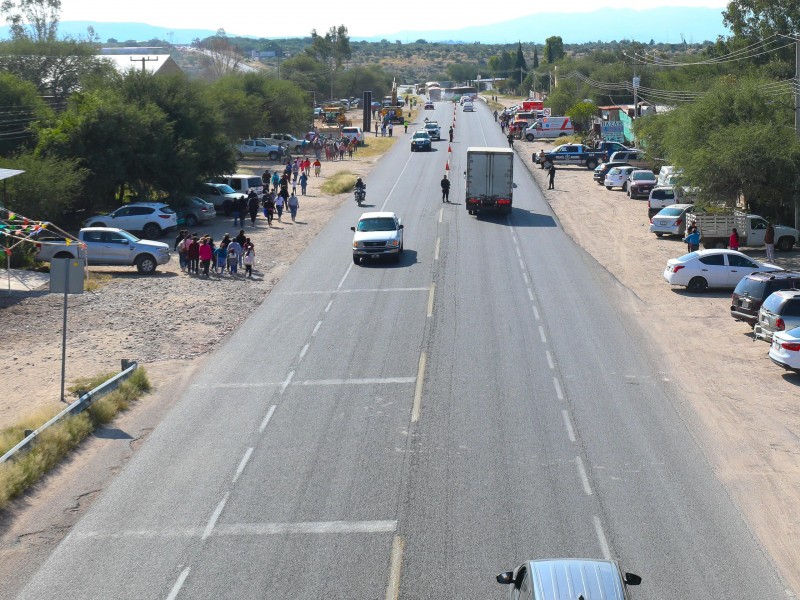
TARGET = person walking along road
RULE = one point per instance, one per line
(551, 175)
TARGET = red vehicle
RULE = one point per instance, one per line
(532, 105)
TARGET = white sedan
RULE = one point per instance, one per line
(785, 349)
(712, 269)
(618, 177)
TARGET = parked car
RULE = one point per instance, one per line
(716, 268)
(192, 210)
(241, 183)
(433, 129)
(152, 219)
(283, 140)
(779, 312)
(429, 106)
(601, 170)
(637, 158)
(420, 141)
(221, 195)
(573, 578)
(640, 183)
(753, 289)
(785, 349)
(378, 235)
(618, 177)
(354, 133)
(258, 148)
(663, 196)
(671, 220)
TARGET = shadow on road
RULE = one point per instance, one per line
(407, 258)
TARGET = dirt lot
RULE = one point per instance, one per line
(743, 408)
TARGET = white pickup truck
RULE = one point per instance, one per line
(715, 230)
(106, 246)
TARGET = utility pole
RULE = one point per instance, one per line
(144, 59)
(635, 101)
(797, 128)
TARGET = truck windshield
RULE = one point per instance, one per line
(379, 224)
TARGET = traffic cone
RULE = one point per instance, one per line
(449, 149)
(447, 166)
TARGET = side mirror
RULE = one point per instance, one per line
(632, 579)
(352, 229)
(507, 578)
(401, 226)
(514, 185)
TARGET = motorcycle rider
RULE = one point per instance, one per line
(360, 189)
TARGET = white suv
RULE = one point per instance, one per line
(378, 234)
(153, 219)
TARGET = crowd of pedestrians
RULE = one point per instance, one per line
(200, 256)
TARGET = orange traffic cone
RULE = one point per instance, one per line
(447, 166)
(449, 149)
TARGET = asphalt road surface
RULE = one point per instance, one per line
(410, 430)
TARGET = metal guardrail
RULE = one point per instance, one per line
(77, 407)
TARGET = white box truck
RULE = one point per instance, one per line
(490, 180)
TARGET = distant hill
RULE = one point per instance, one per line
(664, 24)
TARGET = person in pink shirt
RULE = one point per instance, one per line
(206, 254)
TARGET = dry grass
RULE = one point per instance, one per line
(340, 183)
(95, 281)
(19, 473)
(374, 146)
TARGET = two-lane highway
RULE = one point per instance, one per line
(409, 430)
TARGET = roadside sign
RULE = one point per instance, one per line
(613, 131)
(547, 112)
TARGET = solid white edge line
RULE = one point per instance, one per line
(568, 426)
(549, 360)
(395, 566)
(601, 537)
(327, 308)
(303, 351)
(535, 311)
(265, 422)
(557, 385)
(366, 381)
(436, 251)
(308, 527)
(417, 407)
(346, 273)
(176, 589)
(541, 334)
(213, 520)
(316, 328)
(243, 464)
(286, 383)
(430, 300)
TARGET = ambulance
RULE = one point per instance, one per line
(549, 128)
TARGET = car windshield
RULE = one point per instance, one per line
(645, 176)
(670, 212)
(225, 188)
(420, 136)
(687, 257)
(377, 224)
(129, 236)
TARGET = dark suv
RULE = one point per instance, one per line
(753, 289)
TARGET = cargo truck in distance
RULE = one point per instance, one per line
(490, 180)
(715, 230)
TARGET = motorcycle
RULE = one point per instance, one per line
(361, 194)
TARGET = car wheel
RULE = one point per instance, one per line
(98, 224)
(785, 244)
(659, 234)
(697, 285)
(356, 260)
(562, 135)
(63, 255)
(273, 156)
(591, 165)
(151, 231)
(191, 221)
(146, 264)
(625, 187)
(529, 137)
(401, 248)
(608, 187)
(240, 156)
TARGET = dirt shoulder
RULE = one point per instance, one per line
(743, 409)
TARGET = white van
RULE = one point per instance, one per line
(354, 133)
(549, 128)
(242, 183)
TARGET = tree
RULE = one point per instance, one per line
(535, 58)
(34, 20)
(461, 72)
(22, 107)
(582, 113)
(494, 65)
(759, 19)
(223, 57)
(243, 114)
(333, 49)
(553, 49)
(33, 193)
(506, 64)
(520, 66)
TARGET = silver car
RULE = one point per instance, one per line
(378, 235)
(780, 311)
(557, 579)
(618, 177)
(671, 220)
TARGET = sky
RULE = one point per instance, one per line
(363, 18)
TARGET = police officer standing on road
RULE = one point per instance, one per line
(445, 189)
(451, 133)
